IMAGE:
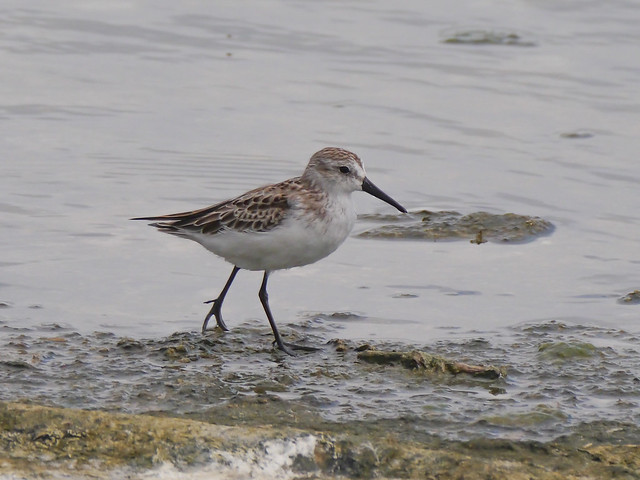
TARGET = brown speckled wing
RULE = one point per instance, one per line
(258, 210)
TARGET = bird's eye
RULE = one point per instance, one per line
(344, 169)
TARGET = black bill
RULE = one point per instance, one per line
(370, 188)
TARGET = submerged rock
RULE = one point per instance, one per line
(486, 37)
(631, 298)
(477, 227)
(539, 415)
(577, 134)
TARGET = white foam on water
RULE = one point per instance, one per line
(273, 460)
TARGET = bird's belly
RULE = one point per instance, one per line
(291, 245)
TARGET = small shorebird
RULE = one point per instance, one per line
(284, 225)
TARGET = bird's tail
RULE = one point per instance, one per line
(164, 226)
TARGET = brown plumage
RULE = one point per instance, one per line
(258, 210)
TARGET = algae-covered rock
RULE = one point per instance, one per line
(565, 351)
(477, 227)
(425, 362)
(36, 438)
(42, 442)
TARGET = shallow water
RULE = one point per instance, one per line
(119, 109)
(559, 376)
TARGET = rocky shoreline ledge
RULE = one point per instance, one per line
(45, 442)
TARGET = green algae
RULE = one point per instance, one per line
(541, 414)
(564, 351)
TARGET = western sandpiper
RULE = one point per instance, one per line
(279, 226)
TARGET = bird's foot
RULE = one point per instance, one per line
(215, 312)
(289, 348)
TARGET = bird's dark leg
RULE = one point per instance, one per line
(264, 299)
(217, 304)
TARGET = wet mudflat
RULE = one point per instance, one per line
(351, 408)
